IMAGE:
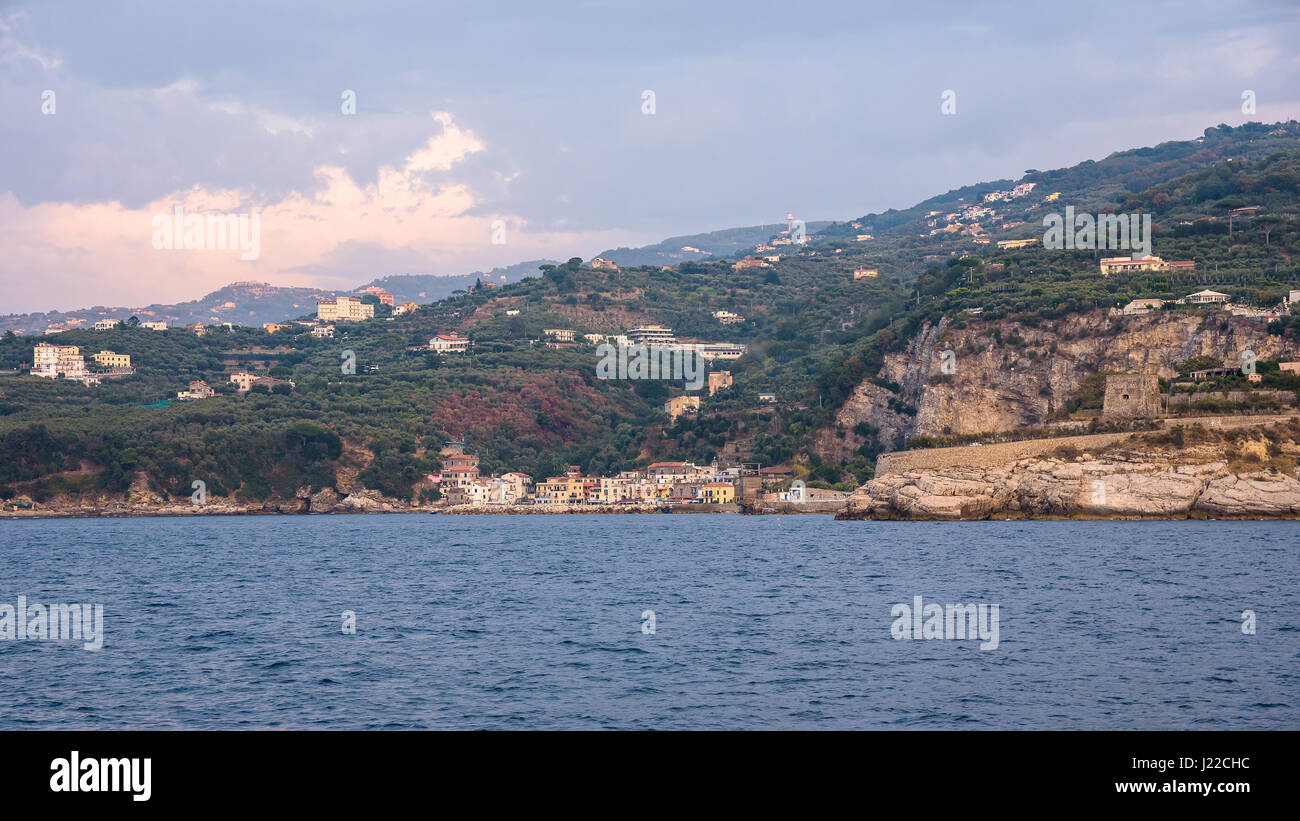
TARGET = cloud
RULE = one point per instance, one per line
(14, 51)
(340, 232)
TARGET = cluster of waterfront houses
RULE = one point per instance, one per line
(661, 483)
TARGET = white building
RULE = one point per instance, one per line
(1206, 297)
(652, 335)
(449, 343)
(1143, 306)
(52, 360)
(107, 324)
(154, 326)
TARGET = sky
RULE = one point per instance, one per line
(378, 138)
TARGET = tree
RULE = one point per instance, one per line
(133, 322)
(1267, 223)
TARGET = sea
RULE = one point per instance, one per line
(674, 621)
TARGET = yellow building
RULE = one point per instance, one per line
(678, 405)
(562, 490)
(718, 493)
(109, 359)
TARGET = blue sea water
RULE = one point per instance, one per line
(761, 622)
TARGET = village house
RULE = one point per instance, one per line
(602, 264)
(678, 405)
(1143, 306)
(405, 308)
(154, 326)
(517, 487)
(244, 381)
(742, 264)
(107, 324)
(570, 489)
(459, 469)
(866, 273)
(323, 332)
(718, 493)
(385, 298)
(449, 343)
(727, 317)
(669, 471)
(476, 492)
(719, 380)
(198, 390)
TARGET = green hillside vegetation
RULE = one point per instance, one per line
(814, 334)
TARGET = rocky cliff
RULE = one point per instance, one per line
(1004, 375)
(1179, 473)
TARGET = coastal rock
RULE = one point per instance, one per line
(1250, 496)
(365, 501)
(139, 495)
(324, 501)
(1054, 488)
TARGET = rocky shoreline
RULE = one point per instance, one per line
(1168, 475)
(1179, 473)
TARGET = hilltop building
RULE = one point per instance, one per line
(109, 359)
(678, 405)
(198, 390)
(1206, 297)
(652, 335)
(385, 298)
(344, 309)
(1143, 306)
(719, 380)
(52, 361)
(449, 343)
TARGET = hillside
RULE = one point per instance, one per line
(257, 303)
(854, 363)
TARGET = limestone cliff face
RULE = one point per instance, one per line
(1033, 371)
(1141, 478)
